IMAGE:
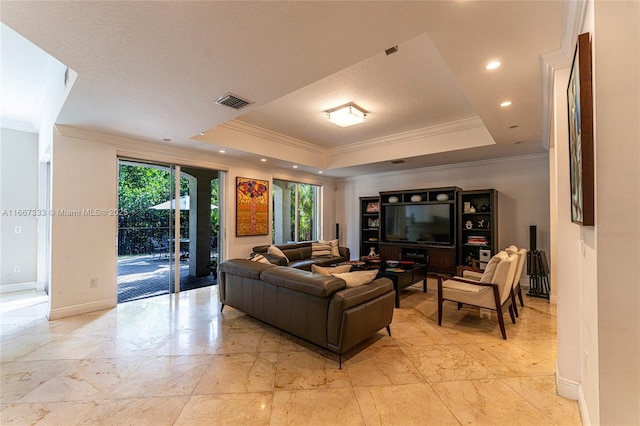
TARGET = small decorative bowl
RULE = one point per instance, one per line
(393, 263)
(393, 199)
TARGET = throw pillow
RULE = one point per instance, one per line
(325, 270)
(321, 249)
(259, 258)
(335, 251)
(490, 270)
(354, 279)
(277, 252)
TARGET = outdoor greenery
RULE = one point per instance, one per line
(139, 226)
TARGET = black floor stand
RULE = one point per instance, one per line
(538, 271)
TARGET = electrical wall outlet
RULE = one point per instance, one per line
(93, 283)
(17, 268)
(17, 229)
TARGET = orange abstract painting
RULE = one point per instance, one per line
(252, 207)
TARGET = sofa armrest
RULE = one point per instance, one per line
(351, 297)
(345, 252)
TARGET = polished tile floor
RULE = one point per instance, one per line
(178, 360)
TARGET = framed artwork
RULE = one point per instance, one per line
(580, 112)
(252, 207)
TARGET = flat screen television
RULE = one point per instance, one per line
(419, 223)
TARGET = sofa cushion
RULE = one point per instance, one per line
(330, 270)
(259, 258)
(245, 268)
(354, 279)
(273, 250)
(321, 249)
(303, 281)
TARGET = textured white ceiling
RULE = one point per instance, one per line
(151, 70)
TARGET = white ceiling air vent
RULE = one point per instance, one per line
(232, 101)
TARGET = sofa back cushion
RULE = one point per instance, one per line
(303, 281)
(328, 270)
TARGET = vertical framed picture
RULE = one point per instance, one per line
(252, 207)
(580, 112)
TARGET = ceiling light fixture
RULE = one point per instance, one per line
(222, 151)
(505, 104)
(320, 171)
(346, 115)
(493, 65)
(295, 167)
(264, 160)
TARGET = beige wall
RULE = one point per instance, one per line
(84, 176)
(18, 207)
(599, 274)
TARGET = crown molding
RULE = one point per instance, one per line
(21, 126)
(574, 16)
(426, 132)
(271, 136)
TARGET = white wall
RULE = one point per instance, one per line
(84, 176)
(18, 207)
(522, 183)
(599, 273)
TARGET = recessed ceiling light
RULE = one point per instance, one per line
(222, 151)
(295, 167)
(505, 104)
(201, 133)
(320, 171)
(264, 160)
(493, 65)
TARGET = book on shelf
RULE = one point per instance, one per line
(477, 240)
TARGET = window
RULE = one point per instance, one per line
(296, 212)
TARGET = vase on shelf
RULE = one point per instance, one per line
(372, 252)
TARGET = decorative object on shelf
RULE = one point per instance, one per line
(472, 209)
(373, 207)
(467, 207)
(580, 107)
(393, 263)
(468, 224)
(372, 252)
(373, 223)
(442, 197)
(393, 199)
(373, 239)
(477, 240)
(484, 208)
(481, 224)
(416, 198)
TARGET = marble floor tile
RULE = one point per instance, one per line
(442, 363)
(309, 370)
(47, 413)
(414, 404)
(541, 392)
(504, 359)
(135, 411)
(381, 365)
(179, 360)
(227, 409)
(316, 407)
(488, 402)
(236, 373)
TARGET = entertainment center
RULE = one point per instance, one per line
(437, 227)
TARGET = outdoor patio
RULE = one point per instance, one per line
(142, 276)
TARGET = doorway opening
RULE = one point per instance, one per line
(167, 233)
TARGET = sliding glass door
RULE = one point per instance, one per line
(167, 233)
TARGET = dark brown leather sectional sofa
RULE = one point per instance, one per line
(299, 255)
(317, 308)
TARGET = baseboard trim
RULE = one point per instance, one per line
(582, 406)
(553, 299)
(85, 308)
(10, 288)
(567, 388)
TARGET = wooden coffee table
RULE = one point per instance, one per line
(403, 276)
